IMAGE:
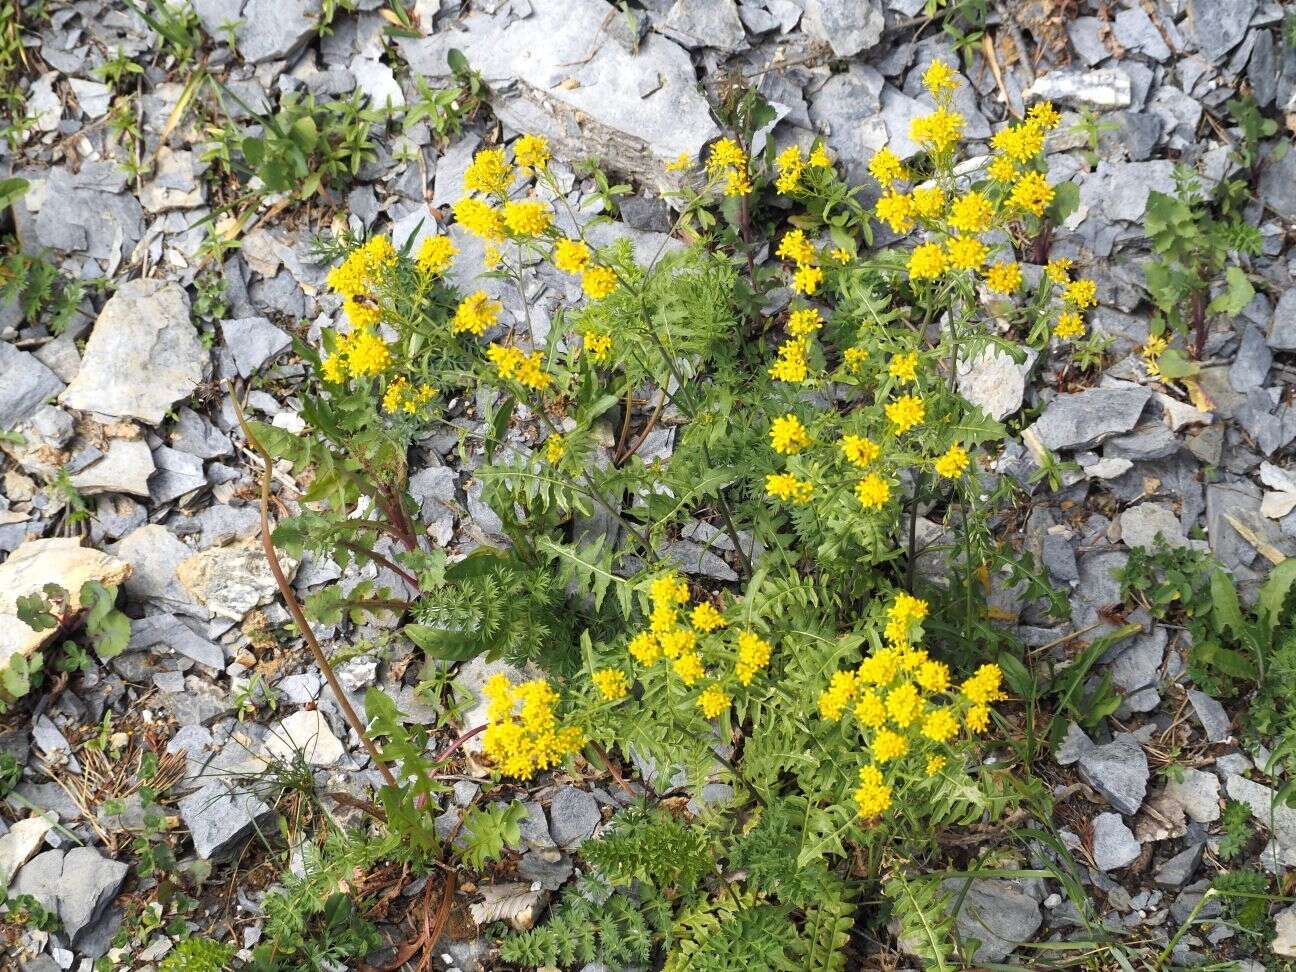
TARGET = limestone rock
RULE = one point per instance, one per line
(231, 581)
(142, 357)
(56, 560)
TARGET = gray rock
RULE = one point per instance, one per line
(1154, 442)
(231, 581)
(22, 840)
(1278, 185)
(1178, 870)
(1141, 132)
(154, 553)
(1086, 34)
(175, 184)
(195, 435)
(573, 816)
(167, 632)
(378, 83)
(844, 110)
(87, 211)
(1135, 31)
(1105, 88)
(1251, 366)
(1141, 525)
(1219, 25)
(999, 914)
(94, 98)
(1083, 419)
(272, 30)
(1198, 793)
(994, 382)
(535, 828)
(1214, 720)
(580, 88)
(705, 23)
(1284, 940)
(550, 869)
(1114, 845)
(124, 468)
(1136, 670)
(847, 26)
(1282, 332)
(221, 819)
(79, 885)
(1073, 745)
(25, 384)
(253, 341)
(1119, 771)
(143, 355)
(178, 474)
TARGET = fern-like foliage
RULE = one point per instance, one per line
(926, 924)
(734, 932)
(198, 955)
(652, 847)
(40, 291)
(617, 931)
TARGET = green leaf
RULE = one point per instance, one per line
(443, 643)
(457, 62)
(1238, 294)
(1274, 593)
(1224, 599)
(1066, 198)
(11, 190)
(253, 151)
(1174, 365)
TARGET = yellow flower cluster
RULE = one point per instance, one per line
(531, 152)
(787, 435)
(598, 345)
(360, 354)
(611, 683)
(953, 463)
(512, 363)
(489, 173)
(475, 313)
(435, 254)
(789, 489)
(401, 396)
(527, 218)
(791, 165)
(792, 364)
(682, 644)
(728, 161)
(903, 705)
(522, 734)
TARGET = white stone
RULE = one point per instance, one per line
(305, 733)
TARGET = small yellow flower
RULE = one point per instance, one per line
(1021, 143)
(940, 78)
(834, 699)
(872, 491)
(966, 253)
(928, 202)
(842, 255)
(935, 764)
(688, 666)
(361, 313)
(531, 373)
(904, 704)
(897, 211)
(737, 183)
(906, 412)
(527, 218)
(1059, 270)
(1044, 115)
(819, 158)
(854, 358)
(792, 364)
(598, 282)
(668, 589)
(435, 254)
(611, 683)
(491, 256)
(680, 163)
(1070, 326)
(904, 367)
(787, 435)
(753, 655)
(598, 345)
(1154, 347)
(333, 368)
(1004, 278)
(555, 446)
(531, 151)
(978, 718)
(985, 685)
(489, 173)
(706, 618)
(870, 710)
(789, 489)
(971, 213)
(571, 256)
(1002, 169)
(366, 353)
(726, 152)
(927, 261)
(480, 219)
(1032, 193)
(713, 701)
(644, 648)
(933, 676)
(954, 463)
(804, 322)
(939, 131)
(859, 451)
(873, 795)
(888, 745)
(475, 313)
(886, 168)
(940, 725)
(1081, 294)
(806, 280)
(796, 247)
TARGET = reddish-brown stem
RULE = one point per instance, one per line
(377, 558)
(294, 608)
(1199, 324)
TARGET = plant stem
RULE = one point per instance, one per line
(290, 600)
